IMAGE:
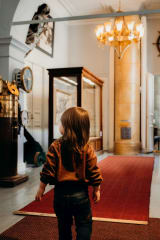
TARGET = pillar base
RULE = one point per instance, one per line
(122, 148)
(13, 181)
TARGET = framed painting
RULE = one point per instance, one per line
(62, 101)
(46, 40)
(41, 35)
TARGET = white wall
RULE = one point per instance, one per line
(74, 45)
(7, 10)
(45, 107)
(157, 102)
(25, 12)
(60, 50)
(41, 60)
(38, 60)
(153, 65)
(84, 51)
(153, 60)
(13, 49)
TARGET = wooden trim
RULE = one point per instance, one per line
(101, 112)
(95, 138)
(50, 112)
(93, 218)
(59, 72)
(34, 214)
(111, 108)
(120, 220)
(77, 72)
(22, 79)
(79, 90)
(95, 79)
(99, 82)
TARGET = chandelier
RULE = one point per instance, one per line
(120, 33)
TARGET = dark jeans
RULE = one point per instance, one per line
(74, 205)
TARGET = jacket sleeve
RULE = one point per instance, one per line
(93, 173)
(48, 173)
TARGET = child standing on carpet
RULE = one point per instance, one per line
(71, 166)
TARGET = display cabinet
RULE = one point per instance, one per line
(75, 86)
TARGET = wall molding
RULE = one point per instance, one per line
(88, 22)
(10, 41)
(144, 71)
(68, 6)
(13, 58)
(102, 20)
(155, 16)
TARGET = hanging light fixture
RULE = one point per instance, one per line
(119, 34)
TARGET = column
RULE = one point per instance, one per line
(127, 101)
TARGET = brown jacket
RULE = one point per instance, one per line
(84, 166)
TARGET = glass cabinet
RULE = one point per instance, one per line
(75, 87)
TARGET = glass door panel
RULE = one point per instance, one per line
(91, 102)
(64, 97)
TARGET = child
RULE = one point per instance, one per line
(71, 166)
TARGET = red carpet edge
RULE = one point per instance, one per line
(93, 218)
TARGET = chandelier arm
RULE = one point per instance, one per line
(117, 51)
(124, 50)
(120, 54)
(121, 35)
(125, 22)
(119, 6)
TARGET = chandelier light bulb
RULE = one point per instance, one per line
(131, 37)
(99, 30)
(108, 26)
(141, 32)
(130, 25)
(110, 39)
(119, 25)
(139, 27)
(120, 34)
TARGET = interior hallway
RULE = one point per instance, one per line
(12, 199)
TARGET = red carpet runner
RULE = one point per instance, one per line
(45, 228)
(125, 192)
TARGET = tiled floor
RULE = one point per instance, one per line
(12, 199)
(155, 190)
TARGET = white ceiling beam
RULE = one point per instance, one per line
(83, 17)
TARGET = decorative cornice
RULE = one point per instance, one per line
(10, 41)
(155, 16)
(73, 10)
(68, 6)
(87, 22)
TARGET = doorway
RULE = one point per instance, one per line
(157, 113)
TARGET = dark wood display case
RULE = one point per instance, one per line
(75, 86)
